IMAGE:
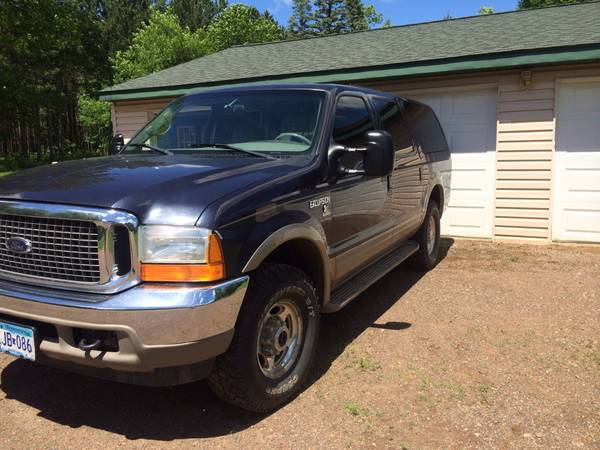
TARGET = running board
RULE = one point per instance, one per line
(352, 288)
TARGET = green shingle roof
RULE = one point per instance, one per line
(547, 35)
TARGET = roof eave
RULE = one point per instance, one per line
(497, 61)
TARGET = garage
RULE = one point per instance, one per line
(577, 163)
(468, 118)
(521, 110)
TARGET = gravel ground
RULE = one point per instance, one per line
(498, 347)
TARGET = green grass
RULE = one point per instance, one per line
(352, 409)
(4, 173)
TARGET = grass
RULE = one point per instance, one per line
(2, 174)
(484, 392)
(366, 364)
(352, 409)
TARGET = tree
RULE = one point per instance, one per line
(158, 44)
(528, 4)
(196, 14)
(299, 24)
(484, 10)
(329, 17)
(50, 51)
(240, 24)
(361, 17)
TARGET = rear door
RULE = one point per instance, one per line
(406, 184)
(362, 226)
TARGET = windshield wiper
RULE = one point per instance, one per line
(154, 149)
(231, 148)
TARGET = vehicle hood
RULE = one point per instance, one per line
(157, 189)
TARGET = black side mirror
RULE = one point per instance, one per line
(378, 156)
(116, 144)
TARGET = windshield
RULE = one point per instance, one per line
(254, 123)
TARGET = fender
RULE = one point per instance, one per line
(288, 233)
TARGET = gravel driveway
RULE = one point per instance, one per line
(499, 346)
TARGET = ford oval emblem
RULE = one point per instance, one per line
(18, 245)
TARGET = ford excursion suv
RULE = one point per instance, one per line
(210, 244)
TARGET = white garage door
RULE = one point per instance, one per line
(469, 121)
(576, 214)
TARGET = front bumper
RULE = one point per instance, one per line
(157, 325)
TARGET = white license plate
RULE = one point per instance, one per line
(17, 340)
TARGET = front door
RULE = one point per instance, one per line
(362, 228)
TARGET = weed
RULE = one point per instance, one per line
(366, 364)
(484, 392)
(352, 409)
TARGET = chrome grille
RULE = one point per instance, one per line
(61, 249)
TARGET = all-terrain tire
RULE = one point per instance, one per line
(427, 256)
(237, 377)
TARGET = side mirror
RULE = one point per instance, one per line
(378, 156)
(116, 144)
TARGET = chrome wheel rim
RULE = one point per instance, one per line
(431, 232)
(279, 339)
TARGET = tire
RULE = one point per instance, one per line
(242, 376)
(427, 256)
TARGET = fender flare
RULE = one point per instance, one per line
(288, 233)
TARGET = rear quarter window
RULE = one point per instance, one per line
(426, 128)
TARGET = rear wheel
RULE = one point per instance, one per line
(272, 352)
(428, 238)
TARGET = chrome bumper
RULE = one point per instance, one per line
(157, 325)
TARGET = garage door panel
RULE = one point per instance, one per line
(577, 163)
(469, 122)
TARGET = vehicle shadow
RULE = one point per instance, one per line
(192, 410)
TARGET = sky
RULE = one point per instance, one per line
(400, 12)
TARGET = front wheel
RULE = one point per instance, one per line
(428, 238)
(273, 349)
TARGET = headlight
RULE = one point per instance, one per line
(170, 253)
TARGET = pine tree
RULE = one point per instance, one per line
(299, 24)
(329, 17)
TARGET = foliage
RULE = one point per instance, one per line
(49, 52)
(528, 4)
(299, 24)
(95, 122)
(485, 10)
(241, 24)
(197, 14)
(332, 16)
(156, 45)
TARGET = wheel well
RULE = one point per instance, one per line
(437, 195)
(304, 255)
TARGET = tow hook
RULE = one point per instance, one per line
(87, 346)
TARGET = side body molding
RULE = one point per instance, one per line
(288, 233)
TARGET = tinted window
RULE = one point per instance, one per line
(352, 120)
(426, 128)
(392, 120)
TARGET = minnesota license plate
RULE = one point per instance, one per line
(17, 340)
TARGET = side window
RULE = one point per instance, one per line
(352, 120)
(392, 120)
(426, 128)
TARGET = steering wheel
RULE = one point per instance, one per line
(293, 137)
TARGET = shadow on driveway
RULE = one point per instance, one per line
(192, 410)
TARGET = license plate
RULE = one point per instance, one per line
(17, 340)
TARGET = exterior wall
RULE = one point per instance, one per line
(524, 145)
(129, 116)
(525, 139)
